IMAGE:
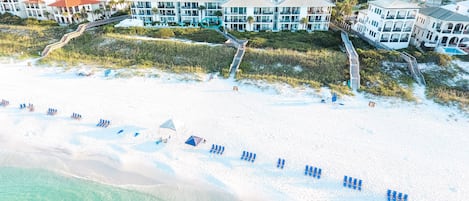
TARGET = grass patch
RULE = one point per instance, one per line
(27, 41)
(298, 41)
(194, 34)
(446, 87)
(110, 50)
(377, 80)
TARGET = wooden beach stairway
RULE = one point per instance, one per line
(238, 57)
(353, 62)
(81, 28)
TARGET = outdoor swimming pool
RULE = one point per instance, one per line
(451, 51)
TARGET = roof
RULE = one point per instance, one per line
(72, 3)
(443, 14)
(305, 3)
(252, 3)
(393, 4)
(34, 1)
(463, 3)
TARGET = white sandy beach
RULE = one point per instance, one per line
(420, 149)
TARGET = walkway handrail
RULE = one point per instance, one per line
(78, 32)
(413, 68)
(353, 62)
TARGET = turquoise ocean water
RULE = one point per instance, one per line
(18, 184)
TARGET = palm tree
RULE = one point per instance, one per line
(46, 14)
(250, 20)
(83, 13)
(154, 10)
(97, 12)
(76, 16)
(304, 21)
(201, 8)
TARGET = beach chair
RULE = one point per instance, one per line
(399, 196)
(355, 183)
(388, 195)
(136, 134)
(345, 181)
(283, 163)
(249, 156)
(350, 182)
(310, 171)
(360, 185)
(213, 148)
(315, 171)
(306, 170)
(219, 149)
(319, 173)
(244, 155)
(405, 197)
(100, 123)
(394, 196)
(222, 150)
(120, 131)
(253, 158)
(279, 163)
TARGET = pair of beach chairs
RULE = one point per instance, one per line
(217, 149)
(312, 171)
(248, 156)
(352, 183)
(103, 123)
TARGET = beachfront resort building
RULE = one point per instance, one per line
(62, 11)
(179, 12)
(388, 23)
(240, 15)
(437, 27)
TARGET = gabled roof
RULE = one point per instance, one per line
(72, 3)
(443, 14)
(394, 4)
(306, 3)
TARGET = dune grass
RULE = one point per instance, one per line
(110, 50)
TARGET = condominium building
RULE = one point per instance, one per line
(263, 14)
(166, 11)
(73, 11)
(12, 6)
(437, 26)
(387, 22)
(310, 15)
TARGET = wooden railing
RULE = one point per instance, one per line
(81, 28)
(413, 68)
(353, 62)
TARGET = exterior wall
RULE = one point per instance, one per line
(431, 32)
(65, 15)
(389, 27)
(12, 6)
(37, 10)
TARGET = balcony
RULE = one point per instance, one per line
(407, 29)
(411, 17)
(396, 29)
(400, 17)
(390, 17)
(165, 6)
(263, 13)
(236, 20)
(384, 40)
(405, 40)
(285, 13)
(446, 31)
(213, 7)
(386, 29)
(457, 32)
(394, 40)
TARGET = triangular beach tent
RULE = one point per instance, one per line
(169, 125)
(194, 140)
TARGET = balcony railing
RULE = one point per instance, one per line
(235, 13)
(407, 29)
(394, 40)
(400, 17)
(386, 29)
(384, 40)
(160, 6)
(263, 13)
(396, 29)
(238, 20)
(405, 40)
(411, 17)
(390, 17)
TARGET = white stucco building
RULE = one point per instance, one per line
(437, 27)
(234, 14)
(387, 22)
